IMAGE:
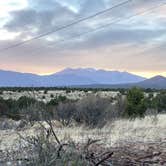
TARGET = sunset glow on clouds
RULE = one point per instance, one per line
(135, 45)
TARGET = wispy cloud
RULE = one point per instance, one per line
(132, 44)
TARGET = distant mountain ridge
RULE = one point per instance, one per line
(80, 77)
(67, 77)
(102, 76)
(157, 82)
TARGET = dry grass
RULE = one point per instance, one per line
(149, 129)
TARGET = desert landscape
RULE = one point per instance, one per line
(82, 83)
(101, 124)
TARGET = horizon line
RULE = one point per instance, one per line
(141, 74)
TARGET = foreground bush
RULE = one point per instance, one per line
(48, 150)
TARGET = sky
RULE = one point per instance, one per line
(136, 44)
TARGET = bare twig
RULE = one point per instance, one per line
(60, 149)
(53, 132)
(104, 159)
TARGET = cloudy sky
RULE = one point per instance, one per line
(130, 43)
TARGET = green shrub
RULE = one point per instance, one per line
(19, 109)
(136, 106)
(57, 100)
(24, 102)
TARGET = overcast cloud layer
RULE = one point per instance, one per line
(135, 45)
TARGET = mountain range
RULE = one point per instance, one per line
(79, 77)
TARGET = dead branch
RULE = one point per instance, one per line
(105, 159)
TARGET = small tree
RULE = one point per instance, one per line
(135, 103)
